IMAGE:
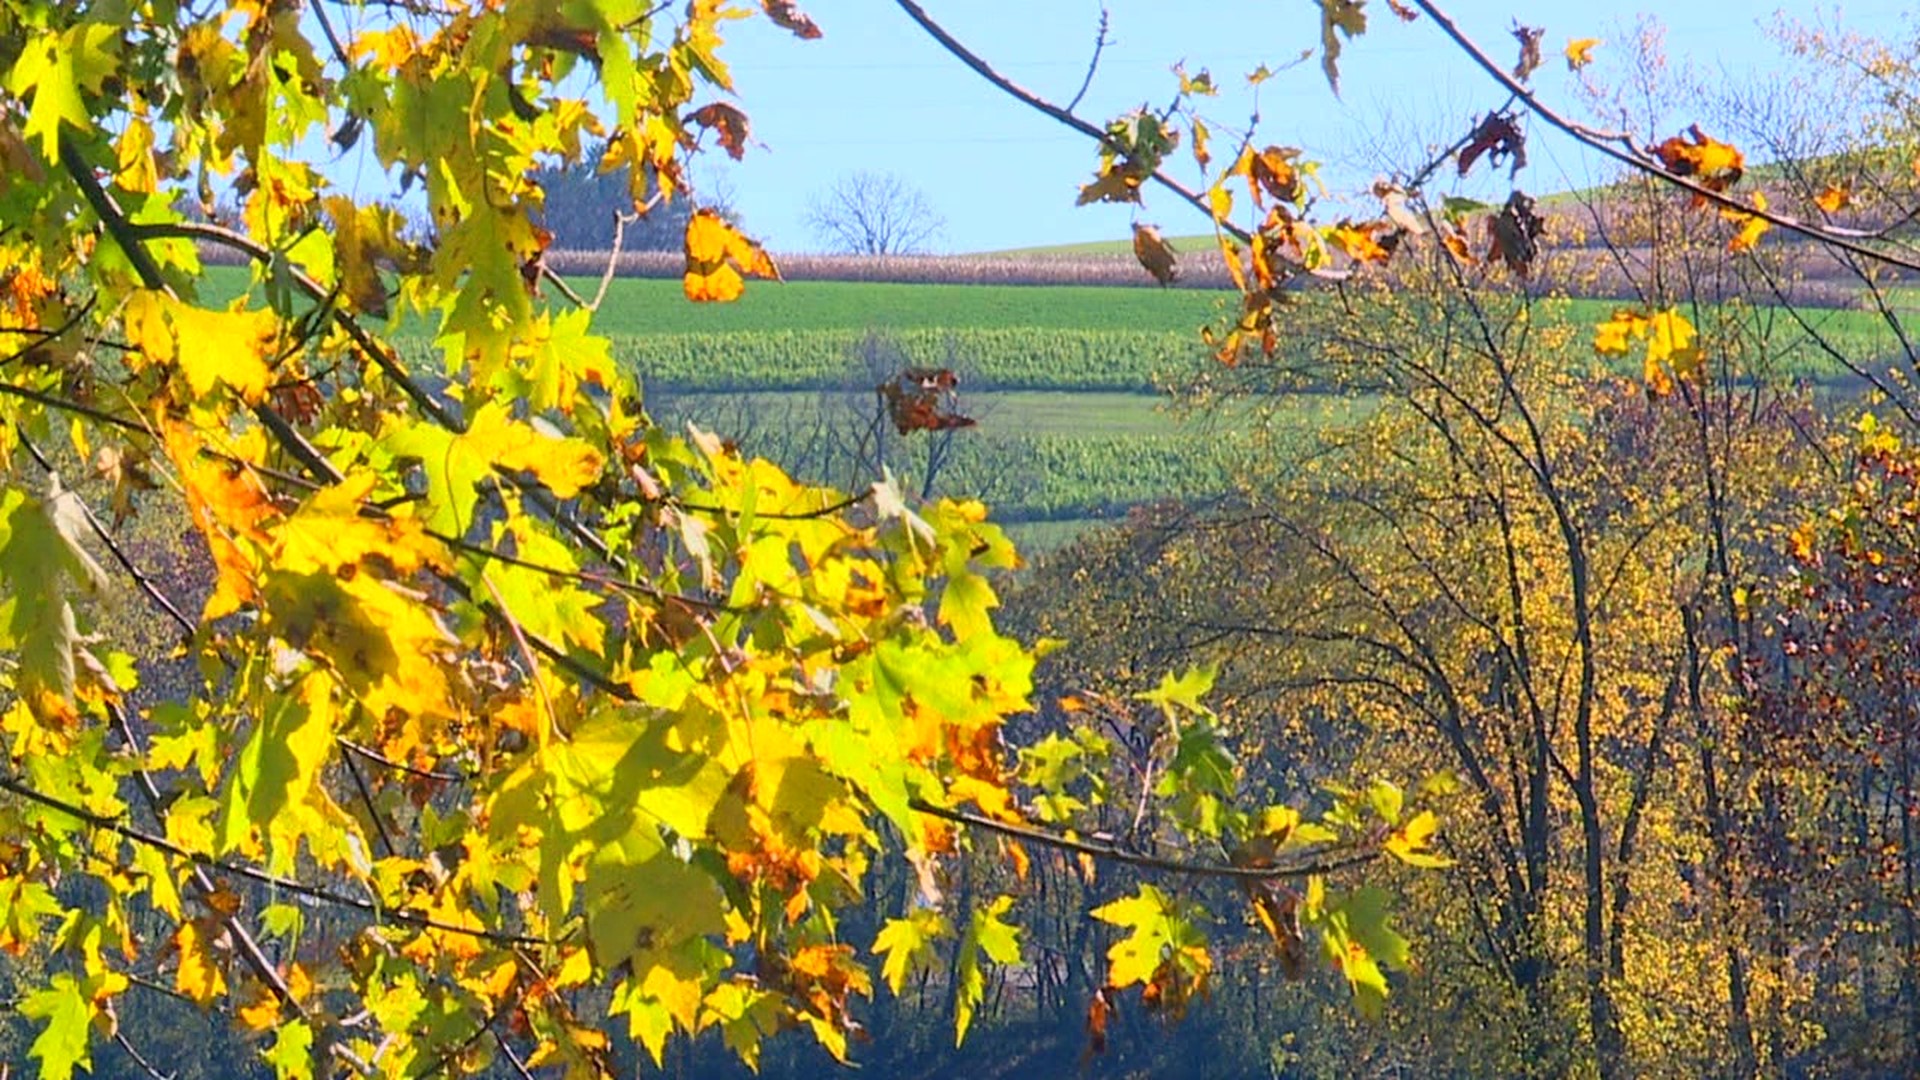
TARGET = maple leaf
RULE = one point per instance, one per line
(1516, 233)
(1529, 39)
(719, 258)
(1708, 162)
(989, 934)
(787, 15)
(1834, 199)
(729, 122)
(63, 1043)
(1498, 136)
(1752, 226)
(1359, 242)
(908, 944)
(54, 70)
(1345, 17)
(1154, 253)
(1271, 173)
(1579, 52)
(200, 975)
(211, 348)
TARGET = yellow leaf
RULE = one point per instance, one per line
(1357, 242)
(211, 348)
(200, 975)
(1580, 52)
(719, 259)
(1752, 226)
(1670, 340)
(1610, 337)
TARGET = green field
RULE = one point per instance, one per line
(1061, 380)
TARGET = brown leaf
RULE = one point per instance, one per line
(1516, 234)
(787, 15)
(1406, 13)
(1346, 17)
(1529, 39)
(1271, 173)
(1154, 253)
(730, 123)
(1498, 137)
(923, 399)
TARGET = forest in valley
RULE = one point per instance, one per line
(1462, 626)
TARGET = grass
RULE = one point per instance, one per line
(1055, 375)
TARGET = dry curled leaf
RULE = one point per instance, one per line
(726, 121)
(787, 15)
(1498, 137)
(1516, 234)
(1155, 253)
(1529, 39)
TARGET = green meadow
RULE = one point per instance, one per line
(1067, 383)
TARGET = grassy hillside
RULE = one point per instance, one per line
(1061, 378)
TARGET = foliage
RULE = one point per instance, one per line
(501, 711)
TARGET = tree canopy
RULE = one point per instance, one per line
(485, 710)
(487, 690)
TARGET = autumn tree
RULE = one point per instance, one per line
(497, 711)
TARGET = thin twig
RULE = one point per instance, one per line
(120, 1038)
(1317, 861)
(1093, 65)
(1032, 100)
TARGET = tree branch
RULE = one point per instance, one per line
(1065, 116)
(1636, 158)
(382, 915)
(1323, 860)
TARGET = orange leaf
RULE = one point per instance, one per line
(717, 258)
(1357, 242)
(1834, 199)
(1710, 163)
(1580, 52)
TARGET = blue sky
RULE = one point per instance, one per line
(876, 93)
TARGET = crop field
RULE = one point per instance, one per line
(1062, 380)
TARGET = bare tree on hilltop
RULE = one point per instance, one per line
(869, 213)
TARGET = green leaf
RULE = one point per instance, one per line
(1387, 800)
(640, 899)
(292, 1052)
(908, 943)
(67, 1013)
(41, 557)
(986, 933)
(1182, 691)
(279, 765)
(54, 69)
